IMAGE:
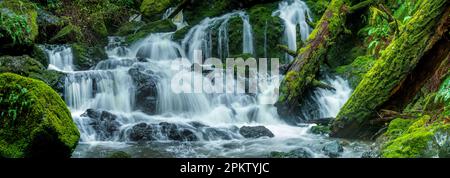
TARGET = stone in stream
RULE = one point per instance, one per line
(333, 149)
(163, 131)
(146, 92)
(255, 132)
(104, 123)
(296, 153)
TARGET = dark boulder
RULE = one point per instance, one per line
(255, 132)
(163, 131)
(145, 83)
(296, 153)
(104, 123)
(142, 132)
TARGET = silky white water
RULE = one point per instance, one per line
(294, 14)
(109, 87)
(60, 57)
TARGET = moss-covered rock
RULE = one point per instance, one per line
(267, 31)
(69, 34)
(355, 71)
(154, 9)
(320, 129)
(160, 26)
(85, 57)
(129, 28)
(28, 67)
(18, 24)
(422, 137)
(35, 121)
(49, 25)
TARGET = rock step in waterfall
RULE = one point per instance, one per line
(127, 97)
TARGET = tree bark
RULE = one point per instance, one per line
(302, 72)
(422, 35)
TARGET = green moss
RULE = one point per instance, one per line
(317, 7)
(18, 22)
(69, 34)
(319, 129)
(415, 138)
(153, 27)
(393, 66)
(269, 28)
(355, 71)
(85, 56)
(153, 9)
(28, 67)
(35, 121)
(129, 28)
(98, 25)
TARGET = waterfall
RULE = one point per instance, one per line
(294, 14)
(60, 57)
(199, 37)
(130, 94)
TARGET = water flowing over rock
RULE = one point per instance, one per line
(255, 132)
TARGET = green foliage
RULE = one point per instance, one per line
(383, 25)
(18, 21)
(16, 102)
(443, 95)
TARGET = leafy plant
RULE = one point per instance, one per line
(15, 26)
(14, 103)
(385, 22)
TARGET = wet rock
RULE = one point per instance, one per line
(142, 132)
(255, 132)
(146, 91)
(296, 153)
(104, 123)
(217, 134)
(162, 131)
(369, 154)
(174, 132)
(333, 149)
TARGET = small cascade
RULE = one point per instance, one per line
(178, 19)
(199, 37)
(60, 57)
(295, 14)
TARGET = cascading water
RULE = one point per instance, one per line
(60, 57)
(199, 37)
(128, 99)
(294, 14)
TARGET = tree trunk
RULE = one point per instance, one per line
(422, 35)
(302, 72)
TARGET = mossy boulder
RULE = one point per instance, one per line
(154, 9)
(69, 34)
(320, 129)
(160, 26)
(35, 121)
(85, 57)
(18, 25)
(129, 28)
(422, 137)
(29, 67)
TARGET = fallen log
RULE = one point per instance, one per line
(423, 34)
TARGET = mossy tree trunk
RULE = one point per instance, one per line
(302, 72)
(422, 35)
